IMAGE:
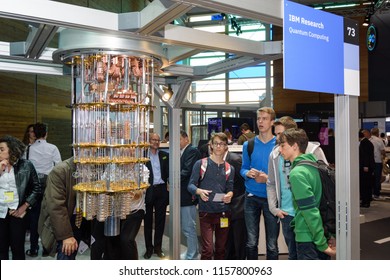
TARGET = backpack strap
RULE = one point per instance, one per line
(317, 164)
(228, 170)
(203, 168)
(251, 146)
(307, 162)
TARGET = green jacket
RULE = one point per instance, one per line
(307, 189)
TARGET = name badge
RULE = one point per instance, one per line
(8, 196)
(82, 247)
(224, 222)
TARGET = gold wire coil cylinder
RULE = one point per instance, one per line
(111, 102)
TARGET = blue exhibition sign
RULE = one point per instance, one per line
(321, 51)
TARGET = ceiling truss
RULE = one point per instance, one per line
(153, 23)
(180, 42)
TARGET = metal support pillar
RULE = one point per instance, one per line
(174, 182)
(157, 117)
(347, 177)
(268, 87)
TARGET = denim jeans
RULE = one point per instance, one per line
(289, 237)
(188, 227)
(309, 251)
(253, 207)
(77, 234)
(63, 257)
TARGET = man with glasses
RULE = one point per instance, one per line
(254, 169)
(157, 198)
(280, 200)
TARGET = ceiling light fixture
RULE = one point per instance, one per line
(366, 21)
(167, 93)
(338, 6)
(370, 12)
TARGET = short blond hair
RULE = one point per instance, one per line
(268, 110)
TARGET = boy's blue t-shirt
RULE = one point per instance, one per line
(286, 200)
(259, 161)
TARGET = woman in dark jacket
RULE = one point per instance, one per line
(19, 190)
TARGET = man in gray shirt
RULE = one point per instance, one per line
(44, 156)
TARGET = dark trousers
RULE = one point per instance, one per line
(366, 182)
(12, 234)
(33, 216)
(210, 224)
(235, 244)
(289, 237)
(159, 204)
(97, 240)
(121, 247)
(124, 246)
(309, 251)
(378, 178)
(32, 219)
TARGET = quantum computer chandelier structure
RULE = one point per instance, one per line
(111, 105)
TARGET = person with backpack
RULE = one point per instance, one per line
(278, 188)
(246, 134)
(212, 181)
(306, 188)
(255, 155)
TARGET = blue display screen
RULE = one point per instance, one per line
(313, 49)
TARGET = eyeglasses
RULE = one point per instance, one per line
(155, 140)
(220, 144)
